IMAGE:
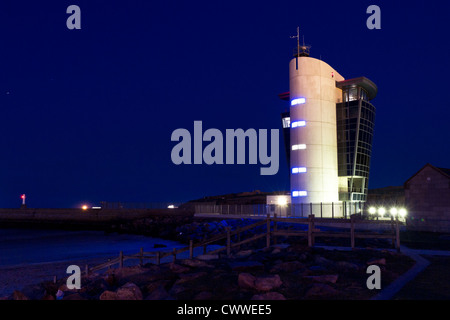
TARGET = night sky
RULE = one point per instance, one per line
(87, 115)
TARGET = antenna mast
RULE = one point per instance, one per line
(302, 51)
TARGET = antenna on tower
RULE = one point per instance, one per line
(302, 51)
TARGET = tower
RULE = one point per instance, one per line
(331, 128)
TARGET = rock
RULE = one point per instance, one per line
(108, 295)
(268, 283)
(158, 294)
(74, 296)
(59, 295)
(186, 277)
(317, 268)
(290, 266)
(48, 296)
(276, 250)
(176, 289)
(246, 280)
(320, 290)
(381, 261)
(345, 266)
(331, 278)
(322, 261)
(129, 291)
(204, 295)
(207, 257)
(269, 296)
(244, 253)
(176, 268)
(17, 295)
(241, 266)
(194, 263)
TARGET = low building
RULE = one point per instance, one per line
(427, 197)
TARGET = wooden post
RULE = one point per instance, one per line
(191, 249)
(310, 230)
(310, 208)
(109, 266)
(352, 232)
(141, 258)
(268, 231)
(86, 269)
(158, 258)
(228, 242)
(275, 229)
(121, 259)
(321, 209)
(174, 252)
(332, 210)
(397, 234)
(54, 279)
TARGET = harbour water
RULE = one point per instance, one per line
(29, 256)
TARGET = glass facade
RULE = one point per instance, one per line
(355, 127)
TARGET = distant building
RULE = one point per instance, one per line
(427, 197)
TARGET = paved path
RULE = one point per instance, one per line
(421, 263)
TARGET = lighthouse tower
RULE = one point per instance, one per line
(313, 137)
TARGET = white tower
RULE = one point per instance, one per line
(313, 95)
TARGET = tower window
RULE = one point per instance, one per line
(297, 194)
(299, 147)
(298, 101)
(296, 124)
(298, 170)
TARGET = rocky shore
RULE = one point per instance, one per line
(286, 271)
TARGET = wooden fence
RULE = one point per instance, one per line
(271, 233)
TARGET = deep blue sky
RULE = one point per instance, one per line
(87, 115)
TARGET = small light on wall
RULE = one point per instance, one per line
(298, 101)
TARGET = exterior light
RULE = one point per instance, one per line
(170, 206)
(297, 124)
(298, 101)
(282, 201)
(84, 207)
(393, 211)
(297, 194)
(372, 210)
(402, 212)
(298, 170)
(298, 147)
(381, 211)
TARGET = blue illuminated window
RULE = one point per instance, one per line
(298, 101)
(298, 147)
(297, 194)
(298, 170)
(296, 124)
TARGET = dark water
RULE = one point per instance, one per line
(28, 246)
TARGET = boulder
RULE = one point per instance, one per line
(204, 295)
(129, 291)
(108, 295)
(268, 283)
(74, 296)
(269, 296)
(244, 253)
(379, 262)
(246, 280)
(17, 295)
(346, 266)
(242, 266)
(194, 263)
(320, 290)
(176, 268)
(331, 278)
(160, 293)
(208, 257)
(290, 266)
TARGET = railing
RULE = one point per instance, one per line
(323, 210)
(271, 233)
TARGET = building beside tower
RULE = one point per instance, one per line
(328, 134)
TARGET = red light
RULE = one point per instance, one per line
(22, 196)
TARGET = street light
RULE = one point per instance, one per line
(393, 211)
(402, 212)
(372, 210)
(381, 211)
